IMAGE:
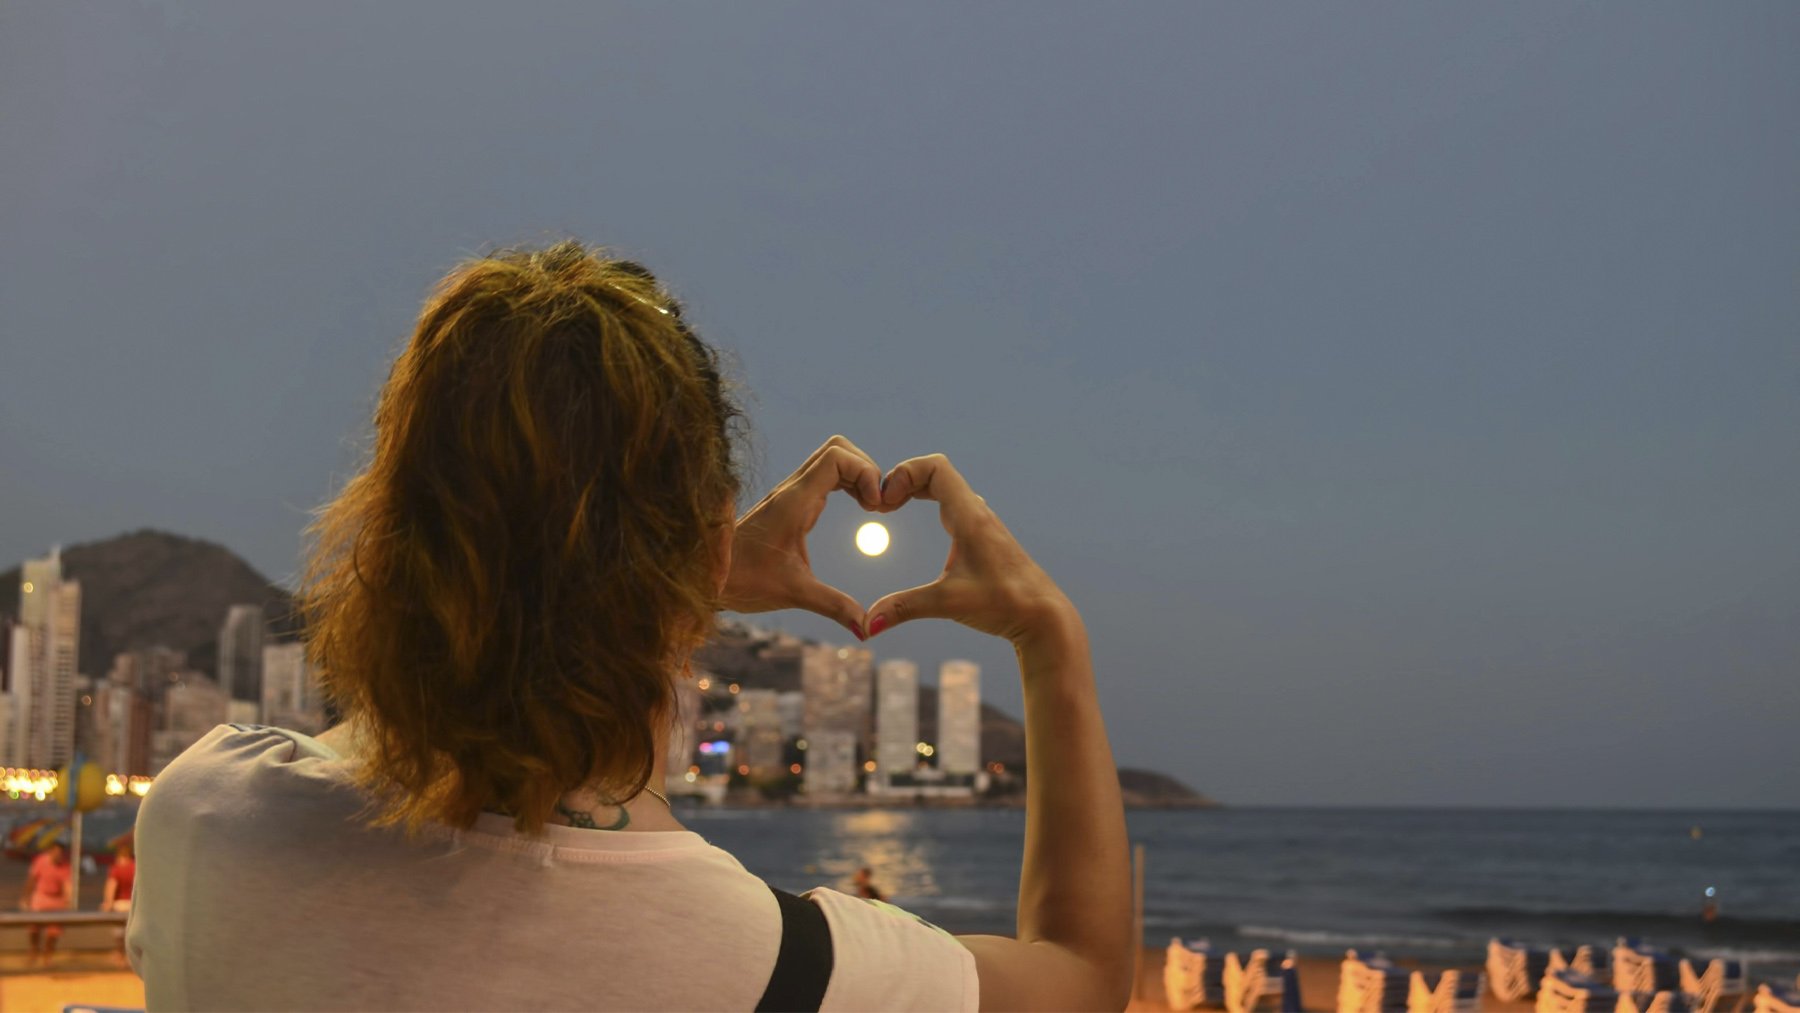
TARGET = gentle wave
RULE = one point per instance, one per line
(955, 904)
(1321, 937)
(1690, 920)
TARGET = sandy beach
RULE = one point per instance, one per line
(82, 977)
(1318, 984)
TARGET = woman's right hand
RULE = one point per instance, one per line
(989, 583)
(769, 568)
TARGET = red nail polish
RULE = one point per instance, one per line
(858, 631)
(877, 624)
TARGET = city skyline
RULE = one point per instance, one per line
(834, 737)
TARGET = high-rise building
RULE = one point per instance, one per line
(241, 653)
(839, 687)
(7, 625)
(156, 669)
(127, 670)
(191, 708)
(18, 660)
(959, 721)
(830, 765)
(792, 706)
(290, 694)
(43, 665)
(138, 731)
(127, 705)
(761, 746)
(120, 738)
(896, 721)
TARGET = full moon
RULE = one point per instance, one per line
(872, 538)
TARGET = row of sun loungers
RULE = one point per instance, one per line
(1194, 976)
(1631, 978)
(1372, 984)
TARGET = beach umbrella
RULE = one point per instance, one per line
(26, 840)
(82, 787)
(88, 782)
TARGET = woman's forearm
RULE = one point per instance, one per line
(1075, 886)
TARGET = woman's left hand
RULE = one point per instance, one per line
(769, 567)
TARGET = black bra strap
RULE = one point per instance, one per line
(803, 966)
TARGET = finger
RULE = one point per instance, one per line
(927, 601)
(845, 442)
(931, 477)
(838, 468)
(822, 599)
(811, 460)
(868, 502)
(815, 455)
(838, 440)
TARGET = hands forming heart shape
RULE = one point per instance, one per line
(989, 583)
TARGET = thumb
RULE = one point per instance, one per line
(823, 599)
(927, 601)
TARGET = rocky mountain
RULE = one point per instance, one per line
(1147, 789)
(152, 588)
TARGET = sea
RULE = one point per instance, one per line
(1428, 884)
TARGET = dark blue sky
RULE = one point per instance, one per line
(1410, 395)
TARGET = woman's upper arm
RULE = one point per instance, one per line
(1017, 975)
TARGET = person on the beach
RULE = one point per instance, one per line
(865, 884)
(47, 889)
(117, 894)
(503, 604)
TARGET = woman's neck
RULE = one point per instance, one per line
(645, 812)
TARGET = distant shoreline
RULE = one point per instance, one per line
(879, 802)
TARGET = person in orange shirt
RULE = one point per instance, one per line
(117, 895)
(47, 889)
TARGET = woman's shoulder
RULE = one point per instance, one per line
(236, 770)
(233, 751)
(886, 957)
(231, 745)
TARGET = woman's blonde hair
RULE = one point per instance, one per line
(500, 599)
